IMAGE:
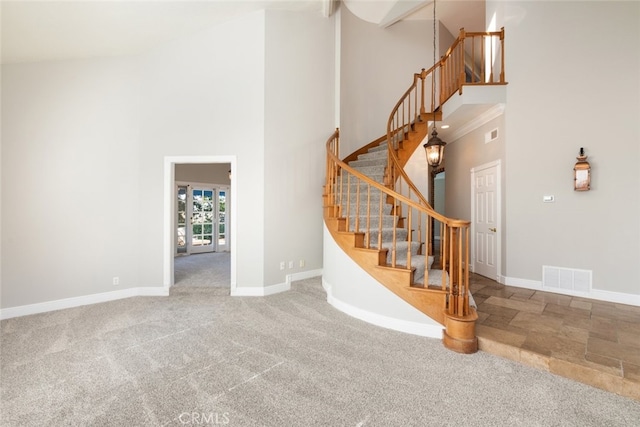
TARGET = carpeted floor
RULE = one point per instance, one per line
(285, 360)
(212, 269)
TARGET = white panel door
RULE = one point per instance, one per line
(485, 221)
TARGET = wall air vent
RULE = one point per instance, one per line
(566, 280)
(491, 136)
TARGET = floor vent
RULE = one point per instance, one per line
(566, 280)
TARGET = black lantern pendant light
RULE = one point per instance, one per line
(434, 147)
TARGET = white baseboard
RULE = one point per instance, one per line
(616, 297)
(302, 275)
(262, 291)
(430, 331)
(521, 283)
(596, 294)
(43, 307)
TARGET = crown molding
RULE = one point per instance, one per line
(495, 111)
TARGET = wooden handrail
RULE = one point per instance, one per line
(350, 195)
(340, 200)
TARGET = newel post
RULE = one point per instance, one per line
(423, 75)
(459, 333)
(502, 55)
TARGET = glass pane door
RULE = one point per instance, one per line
(223, 244)
(181, 238)
(202, 220)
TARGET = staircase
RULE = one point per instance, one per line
(378, 217)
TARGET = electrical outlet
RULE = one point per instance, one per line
(301, 263)
(281, 265)
(290, 264)
(116, 281)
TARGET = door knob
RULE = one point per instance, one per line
(493, 229)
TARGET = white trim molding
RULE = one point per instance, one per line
(302, 275)
(595, 294)
(263, 291)
(259, 291)
(61, 304)
(169, 214)
(486, 117)
(497, 164)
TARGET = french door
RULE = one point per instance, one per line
(223, 223)
(201, 219)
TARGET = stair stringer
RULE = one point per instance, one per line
(431, 302)
(353, 290)
(415, 137)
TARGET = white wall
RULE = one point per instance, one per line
(85, 143)
(299, 112)
(467, 152)
(573, 72)
(377, 67)
(352, 290)
(70, 168)
(203, 95)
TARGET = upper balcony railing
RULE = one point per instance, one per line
(364, 205)
(474, 58)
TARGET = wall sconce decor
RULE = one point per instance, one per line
(582, 173)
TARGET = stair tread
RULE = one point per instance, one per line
(427, 289)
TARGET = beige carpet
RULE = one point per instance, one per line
(285, 360)
(212, 269)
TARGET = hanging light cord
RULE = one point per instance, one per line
(433, 75)
(434, 32)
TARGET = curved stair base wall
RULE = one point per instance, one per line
(353, 291)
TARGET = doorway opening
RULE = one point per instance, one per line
(199, 226)
(437, 201)
(201, 215)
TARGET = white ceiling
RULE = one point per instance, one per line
(47, 30)
(454, 14)
(53, 30)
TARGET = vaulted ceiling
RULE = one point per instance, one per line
(53, 30)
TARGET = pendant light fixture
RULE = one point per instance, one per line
(434, 147)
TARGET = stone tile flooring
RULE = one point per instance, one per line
(591, 341)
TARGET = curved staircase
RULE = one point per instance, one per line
(378, 217)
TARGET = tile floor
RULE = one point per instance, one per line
(591, 341)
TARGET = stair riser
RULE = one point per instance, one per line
(380, 154)
(353, 211)
(353, 181)
(369, 162)
(371, 170)
(373, 196)
(387, 222)
(353, 187)
(387, 235)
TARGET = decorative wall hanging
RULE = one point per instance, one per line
(582, 173)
